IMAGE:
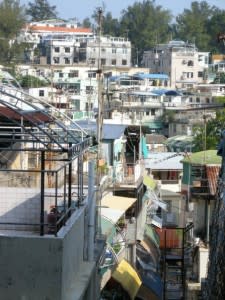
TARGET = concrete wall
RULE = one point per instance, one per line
(46, 268)
(31, 268)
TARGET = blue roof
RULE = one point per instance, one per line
(113, 131)
(139, 76)
(167, 92)
(151, 76)
(120, 77)
(109, 131)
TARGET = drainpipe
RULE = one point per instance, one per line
(92, 210)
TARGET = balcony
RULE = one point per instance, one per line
(128, 174)
(200, 188)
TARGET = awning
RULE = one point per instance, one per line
(151, 195)
(156, 221)
(111, 210)
(149, 182)
(152, 234)
(117, 202)
(128, 278)
(112, 214)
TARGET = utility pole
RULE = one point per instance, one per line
(99, 123)
(99, 71)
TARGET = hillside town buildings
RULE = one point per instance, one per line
(129, 216)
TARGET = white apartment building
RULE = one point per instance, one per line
(109, 52)
(181, 61)
(73, 89)
(34, 32)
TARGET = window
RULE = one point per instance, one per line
(207, 100)
(66, 60)
(88, 106)
(190, 63)
(89, 89)
(61, 75)
(174, 128)
(188, 75)
(200, 74)
(41, 93)
(124, 50)
(103, 61)
(197, 100)
(67, 49)
(113, 50)
(76, 104)
(124, 62)
(113, 62)
(73, 74)
(91, 74)
(56, 49)
(92, 61)
(56, 60)
(153, 112)
(169, 205)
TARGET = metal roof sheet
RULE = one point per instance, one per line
(164, 161)
(212, 172)
(109, 131)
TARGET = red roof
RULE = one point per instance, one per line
(212, 175)
(59, 29)
(33, 117)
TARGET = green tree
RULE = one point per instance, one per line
(146, 24)
(220, 78)
(216, 25)
(41, 10)
(111, 26)
(192, 24)
(29, 81)
(207, 136)
(86, 23)
(12, 19)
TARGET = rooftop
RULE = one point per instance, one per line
(208, 157)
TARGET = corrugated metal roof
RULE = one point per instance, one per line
(212, 175)
(164, 161)
(109, 131)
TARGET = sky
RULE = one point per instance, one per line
(80, 9)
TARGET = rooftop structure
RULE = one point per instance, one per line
(181, 61)
(44, 202)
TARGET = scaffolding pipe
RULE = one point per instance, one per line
(42, 192)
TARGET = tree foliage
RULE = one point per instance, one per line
(207, 136)
(192, 24)
(146, 24)
(29, 81)
(12, 19)
(40, 10)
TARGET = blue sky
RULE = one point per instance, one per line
(84, 8)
